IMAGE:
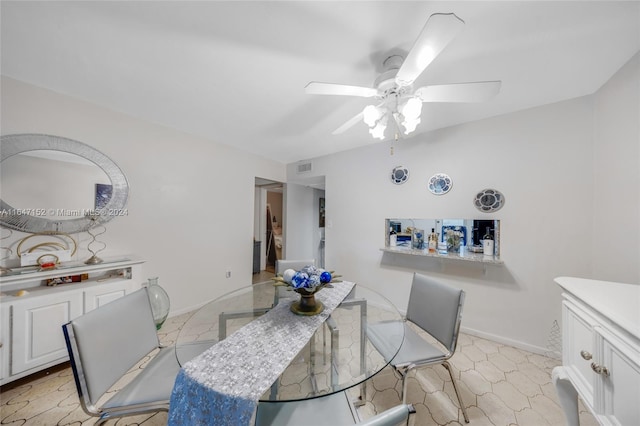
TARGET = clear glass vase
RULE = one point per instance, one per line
(159, 302)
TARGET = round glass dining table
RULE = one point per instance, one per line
(337, 357)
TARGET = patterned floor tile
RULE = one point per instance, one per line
(487, 346)
(496, 410)
(473, 353)
(524, 383)
(476, 383)
(500, 386)
(548, 408)
(489, 371)
(502, 363)
(529, 417)
(511, 396)
(514, 354)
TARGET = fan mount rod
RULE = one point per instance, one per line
(386, 81)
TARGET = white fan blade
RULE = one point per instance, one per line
(438, 31)
(478, 91)
(318, 88)
(352, 122)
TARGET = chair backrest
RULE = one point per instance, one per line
(107, 342)
(296, 264)
(436, 308)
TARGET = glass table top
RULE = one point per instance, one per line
(337, 357)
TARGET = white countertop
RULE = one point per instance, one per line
(618, 302)
(464, 255)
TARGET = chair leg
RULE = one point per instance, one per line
(403, 375)
(455, 388)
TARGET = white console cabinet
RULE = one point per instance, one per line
(31, 337)
(600, 351)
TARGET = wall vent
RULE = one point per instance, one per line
(304, 167)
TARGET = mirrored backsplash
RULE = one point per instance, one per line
(459, 235)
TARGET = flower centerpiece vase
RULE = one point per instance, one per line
(307, 304)
(306, 282)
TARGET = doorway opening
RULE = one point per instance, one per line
(268, 241)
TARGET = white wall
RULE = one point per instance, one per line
(302, 233)
(616, 172)
(191, 201)
(541, 159)
(299, 222)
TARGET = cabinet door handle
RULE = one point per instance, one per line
(600, 369)
(585, 355)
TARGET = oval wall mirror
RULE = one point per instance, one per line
(55, 184)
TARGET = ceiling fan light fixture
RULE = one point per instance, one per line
(412, 108)
(399, 105)
(371, 115)
(410, 124)
(377, 131)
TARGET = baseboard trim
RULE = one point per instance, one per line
(511, 342)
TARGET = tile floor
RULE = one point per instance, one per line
(500, 386)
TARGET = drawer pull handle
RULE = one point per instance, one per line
(599, 369)
(585, 355)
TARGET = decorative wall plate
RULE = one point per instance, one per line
(399, 175)
(489, 200)
(440, 184)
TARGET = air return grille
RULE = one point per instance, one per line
(304, 167)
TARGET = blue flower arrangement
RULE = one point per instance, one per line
(309, 279)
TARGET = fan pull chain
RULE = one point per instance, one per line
(395, 140)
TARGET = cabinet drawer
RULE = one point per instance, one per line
(5, 344)
(37, 336)
(578, 348)
(101, 295)
(621, 382)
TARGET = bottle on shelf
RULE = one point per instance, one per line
(433, 241)
(393, 237)
(487, 243)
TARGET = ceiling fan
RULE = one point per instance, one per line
(397, 101)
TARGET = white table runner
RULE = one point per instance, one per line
(222, 386)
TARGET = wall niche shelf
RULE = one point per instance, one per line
(464, 257)
(406, 236)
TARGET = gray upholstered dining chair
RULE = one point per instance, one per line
(436, 308)
(106, 343)
(330, 410)
(295, 264)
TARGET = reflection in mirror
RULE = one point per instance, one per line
(414, 233)
(56, 183)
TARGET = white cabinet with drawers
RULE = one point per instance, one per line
(600, 350)
(32, 313)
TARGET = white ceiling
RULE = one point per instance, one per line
(235, 72)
